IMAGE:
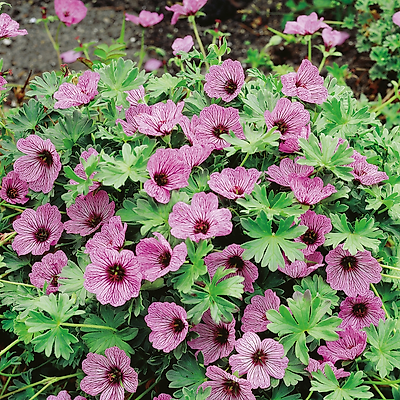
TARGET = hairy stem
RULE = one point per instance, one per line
(142, 52)
(54, 42)
(200, 43)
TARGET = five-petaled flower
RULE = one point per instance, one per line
(145, 18)
(189, 7)
(305, 25)
(70, 12)
(9, 27)
(13, 189)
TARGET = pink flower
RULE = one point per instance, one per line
(364, 172)
(135, 96)
(315, 365)
(13, 189)
(189, 7)
(352, 273)
(70, 12)
(37, 230)
(69, 95)
(231, 258)
(131, 125)
(396, 18)
(156, 257)
(259, 360)
(333, 38)
(70, 56)
(287, 166)
(152, 64)
(189, 128)
(225, 386)
(254, 317)
(80, 170)
(114, 277)
(167, 172)
(300, 269)
(2, 83)
(215, 340)
(361, 311)
(290, 143)
(63, 395)
(168, 325)
(145, 18)
(40, 166)
(306, 84)
(9, 27)
(234, 183)
(194, 155)
(184, 44)
(89, 213)
(163, 396)
(48, 270)
(305, 25)
(200, 220)
(224, 81)
(110, 375)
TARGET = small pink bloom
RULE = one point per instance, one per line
(189, 7)
(9, 27)
(396, 18)
(135, 96)
(131, 125)
(145, 18)
(163, 396)
(333, 38)
(194, 155)
(70, 56)
(13, 189)
(287, 166)
(2, 83)
(315, 365)
(189, 128)
(364, 172)
(63, 395)
(184, 44)
(300, 269)
(80, 170)
(152, 64)
(305, 25)
(70, 12)
(290, 143)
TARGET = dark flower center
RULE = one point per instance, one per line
(281, 126)
(66, 13)
(300, 84)
(259, 357)
(220, 130)
(116, 273)
(165, 259)
(230, 86)
(45, 158)
(161, 179)
(42, 234)
(221, 335)
(231, 387)
(237, 190)
(114, 375)
(310, 237)
(236, 262)
(54, 280)
(12, 193)
(349, 263)
(177, 325)
(94, 220)
(201, 227)
(359, 310)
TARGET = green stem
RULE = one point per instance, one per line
(379, 109)
(390, 276)
(41, 390)
(379, 392)
(383, 383)
(244, 160)
(142, 52)
(377, 294)
(196, 33)
(282, 35)
(389, 267)
(11, 345)
(8, 381)
(309, 48)
(322, 63)
(53, 42)
(12, 206)
(309, 396)
(7, 238)
(150, 388)
(17, 283)
(12, 215)
(88, 326)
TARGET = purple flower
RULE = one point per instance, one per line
(182, 44)
(194, 155)
(189, 128)
(152, 64)
(288, 167)
(333, 38)
(89, 213)
(225, 386)
(9, 27)
(310, 191)
(37, 230)
(2, 83)
(131, 125)
(135, 96)
(361, 311)
(114, 277)
(215, 340)
(80, 170)
(63, 395)
(259, 360)
(163, 396)
(254, 317)
(110, 375)
(168, 325)
(350, 345)
(396, 18)
(70, 12)
(305, 25)
(318, 226)
(234, 183)
(290, 143)
(315, 365)
(364, 172)
(70, 56)
(167, 172)
(48, 270)
(145, 18)
(215, 121)
(351, 273)
(112, 236)
(156, 257)
(200, 220)
(224, 81)
(69, 95)
(40, 166)
(13, 189)
(300, 269)
(306, 84)
(189, 7)
(231, 257)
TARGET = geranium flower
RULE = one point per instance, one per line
(225, 386)
(194, 155)
(89, 213)
(189, 7)
(352, 273)
(2, 83)
(37, 230)
(156, 257)
(305, 25)
(9, 27)
(234, 183)
(189, 128)
(70, 12)
(13, 189)
(306, 84)
(231, 257)
(200, 220)
(300, 269)
(361, 311)
(168, 325)
(40, 166)
(110, 375)
(259, 360)
(182, 44)
(135, 96)
(315, 365)
(114, 277)
(131, 125)
(224, 81)
(290, 143)
(70, 95)
(48, 270)
(145, 18)
(70, 56)
(333, 38)
(167, 172)
(364, 172)
(288, 167)
(396, 18)
(80, 170)
(152, 64)
(215, 340)
(63, 395)
(254, 317)
(163, 396)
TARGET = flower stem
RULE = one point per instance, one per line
(9, 346)
(244, 160)
(12, 206)
(377, 294)
(322, 63)
(390, 276)
(379, 392)
(379, 109)
(8, 381)
(309, 48)
(7, 238)
(196, 33)
(146, 391)
(142, 52)
(389, 267)
(17, 283)
(309, 396)
(382, 383)
(54, 42)
(88, 326)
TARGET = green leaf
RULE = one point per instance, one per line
(28, 118)
(164, 84)
(268, 246)
(294, 370)
(283, 393)
(44, 88)
(107, 53)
